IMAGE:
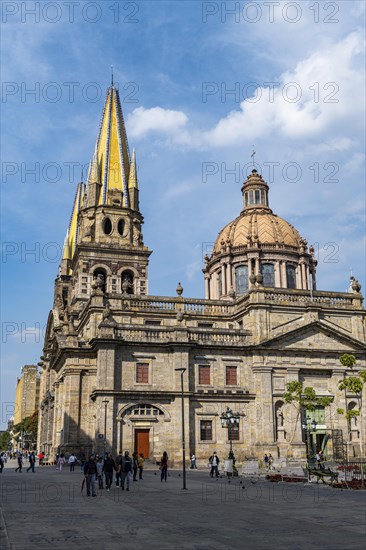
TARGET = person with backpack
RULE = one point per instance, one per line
(72, 462)
(125, 471)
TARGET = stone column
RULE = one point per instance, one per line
(257, 266)
(207, 287)
(307, 275)
(230, 276)
(283, 274)
(223, 279)
(277, 274)
(298, 277)
(264, 415)
(72, 409)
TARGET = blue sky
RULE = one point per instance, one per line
(199, 87)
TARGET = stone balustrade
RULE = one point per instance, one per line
(210, 336)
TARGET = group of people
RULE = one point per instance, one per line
(268, 461)
(125, 466)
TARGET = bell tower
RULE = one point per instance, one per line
(104, 245)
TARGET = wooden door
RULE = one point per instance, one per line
(142, 442)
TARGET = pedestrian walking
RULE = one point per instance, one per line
(164, 466)
(40, 458)
(135, 464)
(125, 472)
(32, 462)
(72, 462)
(109, 467)
(214, 462)
(90, 473)
(270, 462)
(20, 464)
(266, 461)
(100, 473)
(1, 463)
(141, 465)
(118, 467)
(193, 462)
(61, 462)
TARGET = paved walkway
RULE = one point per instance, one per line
(46, 510)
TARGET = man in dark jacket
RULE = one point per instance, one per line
(125, 471)
(109, 467)
(90, 473)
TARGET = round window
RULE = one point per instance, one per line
(107, 226)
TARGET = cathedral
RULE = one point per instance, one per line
(115, 357)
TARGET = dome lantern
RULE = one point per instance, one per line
(255, 192)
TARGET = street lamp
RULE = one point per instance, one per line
(105, 401)
(228, 420)
(309, 426)
(182, 371)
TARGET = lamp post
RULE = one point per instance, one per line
(228, 420)
(182, 371)
(105, 401)
(310, 427)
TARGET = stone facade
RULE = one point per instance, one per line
(109, 378)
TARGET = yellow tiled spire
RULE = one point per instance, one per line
(71, 238)
(112, 152)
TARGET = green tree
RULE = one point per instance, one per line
(303, 399)
(28, 427)
(5, 439)
(352, 383)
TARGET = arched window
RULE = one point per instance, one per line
(219, 282)
(143, 409)
(107, 226)
(127, 282)
(268, 275)
(246, 199)
(263, 199)
(257, 196)
(100, 276)
(251, 199)
(121, 227)
(241, 279)
(291, 276)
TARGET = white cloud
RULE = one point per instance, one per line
(142, 121)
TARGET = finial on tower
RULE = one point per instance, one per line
(112, 79)
(253, 156)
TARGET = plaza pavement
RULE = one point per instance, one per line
(46, 510)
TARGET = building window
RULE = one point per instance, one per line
(251, 199)
(121, 227)
(143, 409)
(231, 376)
(100, 276)
(127, 282)
(291, 276)
(204, 374)
(257, 196)
(246, 199)
(206, 430)
(241, 279)
(263, 201)
(219, 281)
(142, 373)
(107, 226)
(268, 275)
(234, 433)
